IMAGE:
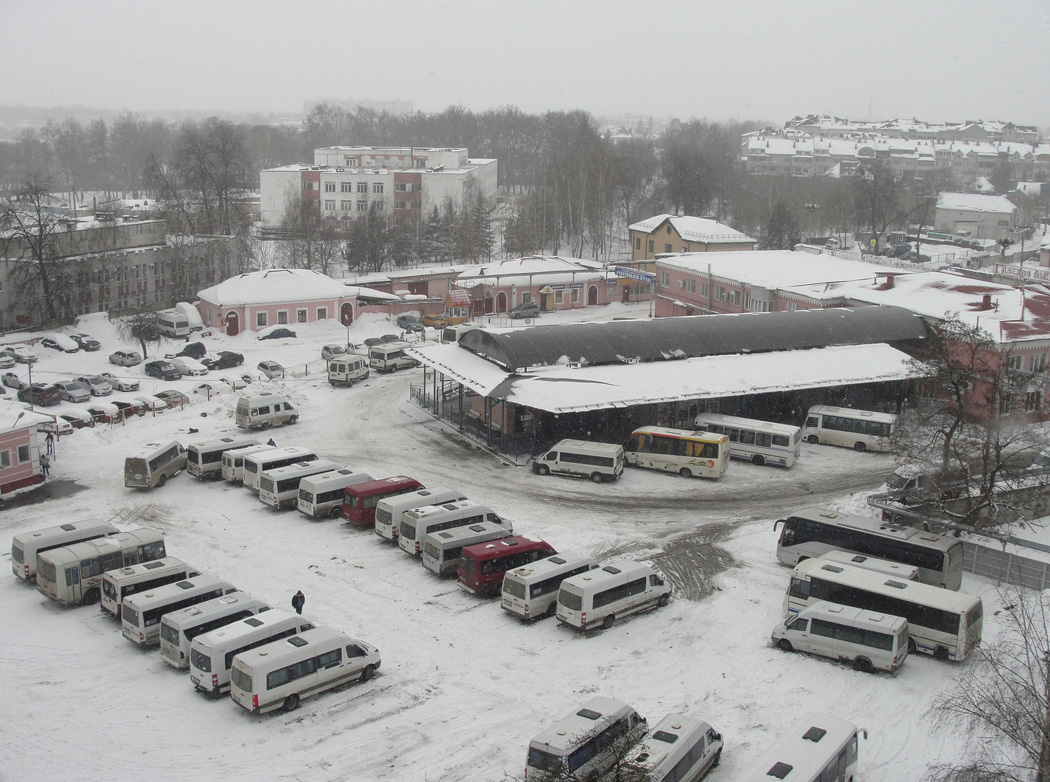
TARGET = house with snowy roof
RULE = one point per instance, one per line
(552, 282)
(975, 215)
(684, 234)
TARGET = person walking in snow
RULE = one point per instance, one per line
(298, 601)
(45, 465)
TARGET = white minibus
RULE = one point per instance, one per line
(127, 581)
(679, 748)
(212, 653)
(390, 509)
(279, 488)
(233, 461)
(817, 747)
(867, 640)
(759, 442)
(884, 566)
(281, 673)
(179, 628)
(347, 370)
(585, 744)
(531, 591)
(597, 461)
(204, 459)
(173, 323)
(390, 357)
(257, 463)
(140, 615)
(699, 454)
(416, 524)
(72, 575)
(441, 549)
(598, 598)
(264, 411)
(154, 464)
(451, 334)
(321, 496)
(861, 430)
(26, 547)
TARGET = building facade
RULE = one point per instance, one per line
(976, 216)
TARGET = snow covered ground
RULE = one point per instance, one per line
(463, 686)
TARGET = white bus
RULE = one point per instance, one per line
(72, 575)
(861, 430)
(416, 524)
(812, 532)
(884, 566)
(599, 597)
(941, 622)
(212, 653)
(441, 550)
(281, 673)
(127, 581)
(531, 591)
(279, 488)
(26, 547)
(818, 747)
(585, 744)
(867, 640)
(689, 454)
(204, 459)
(679, 748)
(321, 496)
(583, 459)
(179, 628)
(758, 442)
(390, 509)
(140, 615)
(154, 464)
(173, 323)
(233, 461)
(257, 463)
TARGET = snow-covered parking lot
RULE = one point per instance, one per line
(463, 686)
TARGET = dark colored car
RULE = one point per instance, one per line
(75, 422)
(279, 334)
(409, 323)
(86, 342)
(528, 309)
(163, 370)
(45, 394)
(224, 359)
(54, 344)
(195, 350)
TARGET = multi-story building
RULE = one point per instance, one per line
(977, 216)
(980, 130)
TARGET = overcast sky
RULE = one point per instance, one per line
(763, 59)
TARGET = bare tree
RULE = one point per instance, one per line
(141, 327)
(877, 198)
(310, 242)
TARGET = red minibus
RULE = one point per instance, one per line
(481, 566)
(359, 502)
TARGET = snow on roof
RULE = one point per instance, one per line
(773, 269)
(15, 418)
(975, 202)
(532, 270)
(280, 285)
(694, 229)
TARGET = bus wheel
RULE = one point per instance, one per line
(858, 447)
(543, 469)
(664, 600)
(294, 419)
(863, 664)
(813, 440)
(912, 648)
(597, 477)
(785, 644)
(608, 622)
(758, 460)
(337, 511)
(264, 425)
(90, 597)
(368, 673)
(291, 703)
(552, 609)
(163, 480)
(685, 472)
(717, 760)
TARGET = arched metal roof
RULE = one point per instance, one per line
(622, 342)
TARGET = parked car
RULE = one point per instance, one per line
(162, 370)
(74, 391)
(150, 403)
(409, 323)
(97, 384)
(194, 350)
(61, 343)
(124, 409)
(234, 382)
(59, 426)
(86, 342)
(271, 369)
(173, 398)
(328, 352)
(11, 380)
(77, 420)
(119, 383)
(277, 333)
(189, 366)
(372, 341)
(437, 320)
(389, 338)
(528, 309)
(224, 359)
(103, 413)
(6, 361)
(45, 394)
(20, 353)
(125, 358)
(899, 250)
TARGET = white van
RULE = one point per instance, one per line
(233, 461)
(262, 412)
(416, 524)
(173, 323)
(204, 459)
(390, 357)
(451, 334)
(347, 370)
(255, 464)
(140, 614)
(154, 464)
(867, 640)
(597, 461)
(390, 509)
(441, 550)
(127, 581)
(279, 488)
(179, 628)
(321, 496)
(600, 597)
(279, 674)
(531, 591)
(679, 748)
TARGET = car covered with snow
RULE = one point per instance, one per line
(120, 383)
(98, 385)
(125, 358)
(20, 353)
(74, 391)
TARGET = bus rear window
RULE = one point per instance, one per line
(200, 661)
(570, 600)
(468, 565)
(129, 615)
(545, 761)
(17, 554)
(514, 588)
(169, 633)
(241, 679)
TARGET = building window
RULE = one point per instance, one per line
(559, 297)
(665, 279)
(574, 295)
(362, 187)
(650, 245)
(401, 187)
(329, 205)
(1033, 401)
(421, 162)
(720, 294)
(703, 289)
(351, 161)
(638, 243)
(5, 459)
(791, 306)
(344, 206)
(23, 453)
(377, 187)
(300, 316)
(329, 187)
(322, 313)
(526, 297)
(308, 185)
(402, 205)
(734, 297)
(362, 206)
(346, 187)
(667, 248)
(260, 320)
(685, 249)
(282, 317)
(1014, 363)
(690, 286)
(1039, 362)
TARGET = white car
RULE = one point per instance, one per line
(20, 353)
(328, 352)
(74, 391)
(189, 366)
(119, 383)
(6, 361)
(125, 358)
(271, 369)
(97, 384)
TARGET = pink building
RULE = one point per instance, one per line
(553, 283)
(20, 449)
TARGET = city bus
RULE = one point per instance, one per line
(441, 550)
(140, 615)
(861, 430)
(758, 442)
(482, 566)
(204, 459)
(941, 622)
(257, 463)
(212, 653)
(598, 598)
(679, 748)
(72, 575)
(279, 487)
(690, 454)
(417, 523)
(531, 592)
(26, 547)
(126, 581)
(390, 509)
(586, 743)
(321, 496)
(360, 501)
(179, 628)
(813, 532)
(818, 747)
(233, 461)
